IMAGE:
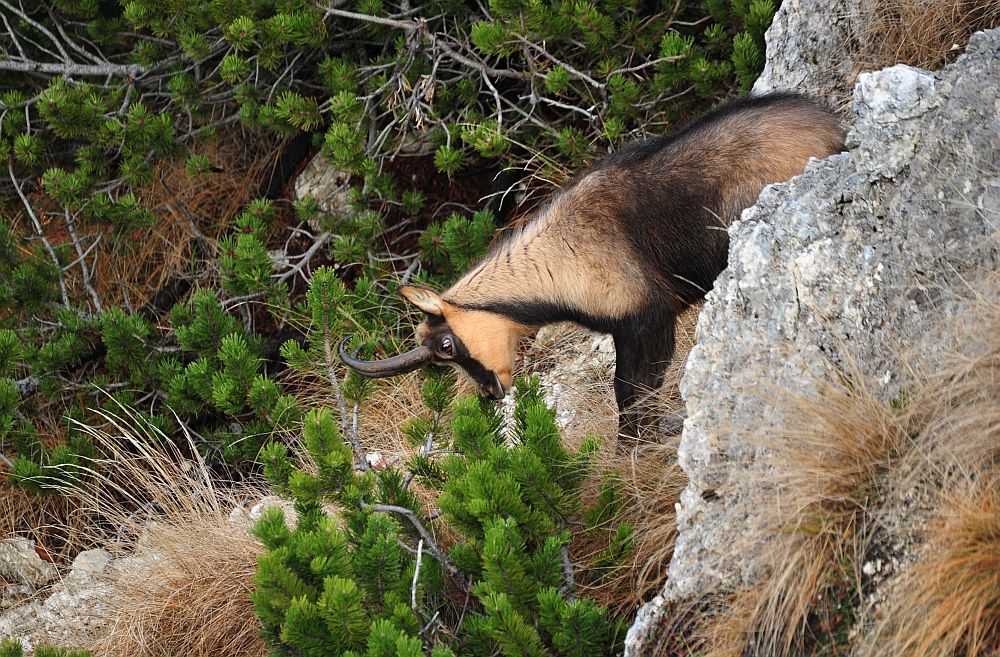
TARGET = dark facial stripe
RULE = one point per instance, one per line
(484, 377)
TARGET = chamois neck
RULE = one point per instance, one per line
(570, 261)
(520, 270)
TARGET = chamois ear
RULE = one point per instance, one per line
(424, 298)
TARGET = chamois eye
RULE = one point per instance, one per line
(447, 346)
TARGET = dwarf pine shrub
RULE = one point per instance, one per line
(362, 569)
(373, 579)
(111, 114)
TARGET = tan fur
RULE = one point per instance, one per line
(632, 240)
(536, 265)
(422, 297)
(490, 338)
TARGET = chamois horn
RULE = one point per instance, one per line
(391, 366)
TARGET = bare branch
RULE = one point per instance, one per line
(13, 36)
(305, 257)
(72, 44)
(569, 587)
(38, 26)
(38, 231)
(561, 64)
(639, 67)
(82, 259)
(432, 546)
(573, 108)
(416, 575)
(419, 26)
(70, 68)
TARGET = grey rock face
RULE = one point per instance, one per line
(841, 264)
(70, 607)
(811, 49)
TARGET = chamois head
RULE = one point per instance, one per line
(480, 343)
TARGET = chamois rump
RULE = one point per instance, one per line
(626, 246)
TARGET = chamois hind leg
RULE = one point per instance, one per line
(643, 352)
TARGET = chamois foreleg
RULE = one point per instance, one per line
(643, 351)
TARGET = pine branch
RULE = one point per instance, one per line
(419, 27)
(41, 234)
(432, 546)
(416, 576)
(305, 257)
(38, 26)
(82, 259)
(349, 428)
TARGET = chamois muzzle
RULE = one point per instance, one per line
(374, 369)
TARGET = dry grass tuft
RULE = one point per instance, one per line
(183, 586)
(923, 33)
(828, 466)
(188, 594)
(651, 484)
(955, 409)
(914, 481)
(53, 522)
(948, 604)
(650, 479)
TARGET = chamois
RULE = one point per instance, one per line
(627, 245)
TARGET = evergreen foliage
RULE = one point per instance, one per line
(359, 569)
(13, 648)
(550, 85)
(103, 104)
(350, 584)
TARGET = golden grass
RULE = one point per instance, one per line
(923, 33)
(651, 483)
(828, 465)
(184, 588)
(53, 522)
(847, 468)
(948, 603)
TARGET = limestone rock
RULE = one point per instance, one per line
(20, 563)
(811, 49)
(839, 265)
(89, 563)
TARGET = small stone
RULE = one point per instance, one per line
(273, 501)
(90, 562)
